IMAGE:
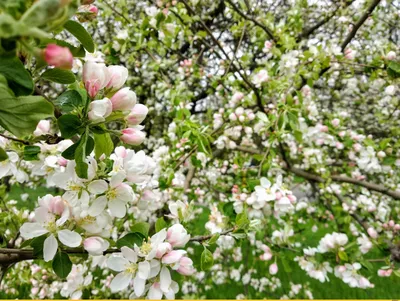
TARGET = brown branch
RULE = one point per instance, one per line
(249, 18)
(395, 194)
(205, 237)
(15, 139)
(359, 23)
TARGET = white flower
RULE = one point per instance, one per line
(364, 244)
(177, 236)
(129, 267)
(49, 217)
(117, 196)
(99, 110)
(331, 242)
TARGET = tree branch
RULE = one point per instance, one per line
(205, 237)
(360, 22)
(249, 18)
(395, 194)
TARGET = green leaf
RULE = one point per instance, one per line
(242, 221)
(207, 260)
(62, 265)
(3, 155)
(69, 101)
(69, 153)
(213, 239)
(37, 245)
(19, 79)
(81, 34)
(286, 265)
(103, 144)
(130, 240)
(142, 228)
(21, 115)
(31, 152)
(160, 224)
(59, 76)
(81, 153)
(69, 125)
(229, 211)
(343, 255)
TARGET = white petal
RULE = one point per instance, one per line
(69, 238)
(154, 292)
(129, 254)
(155, 268)
(117, 208)
(265, 182)
(165, 279)
(117, 263)
(98, 206)
(138, 285)
(76, 295)
(50, 247)
(117, 179)
(31, 230)
(98, 187)
(170, 295)
(120, 282)
(144, 269)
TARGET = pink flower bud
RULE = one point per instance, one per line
(335, 122)
(391, 223)
(163, 248)
(391, 55)
(173, 256)
(132, 136)
(62, 161)
(396, 227)
(57, 205)
(186, 266)
(372, 232)
(43, 128)
(57, 56)
(177, 236)
(99, 110)
(93, 9)
(123, 100)
(273, 269)
(95, 245)
(137, 114)
(118, 77)
(95, 77)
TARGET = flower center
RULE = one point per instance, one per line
(146, 248)
(132, 268)
(111, 194)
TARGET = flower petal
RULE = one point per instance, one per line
(98, 186)
(139, 285)
(117, 263)
(155, 292)
(165, 279)
(98, 206)
(120, 282)
(117, 208)
(143, 269)
(31, 230)
(50, 247)
(69, 238)
(129, 254)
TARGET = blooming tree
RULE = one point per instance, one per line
(163, 149)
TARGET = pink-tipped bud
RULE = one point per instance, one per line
(273, 269)
(95, 245)
(372, 232)
(57, 56)
(137, 114)
(123, 100)
(118, 77)
(132, 136)
(93, 9)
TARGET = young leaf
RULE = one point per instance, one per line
(81, 34)
(160, 224)
(130, 240)
(142, 228)
(214, 238)
(21, 115)
(81, 167)
(59, 76)
(69, 100)
(69, 125)
(31, 152)
(19, 79)
(62, 265)
(3, 155)
(103, 144)
(207, 259)
(69, 153)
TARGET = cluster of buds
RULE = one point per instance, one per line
(87, 11)
(242, 115)
(98, 77)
